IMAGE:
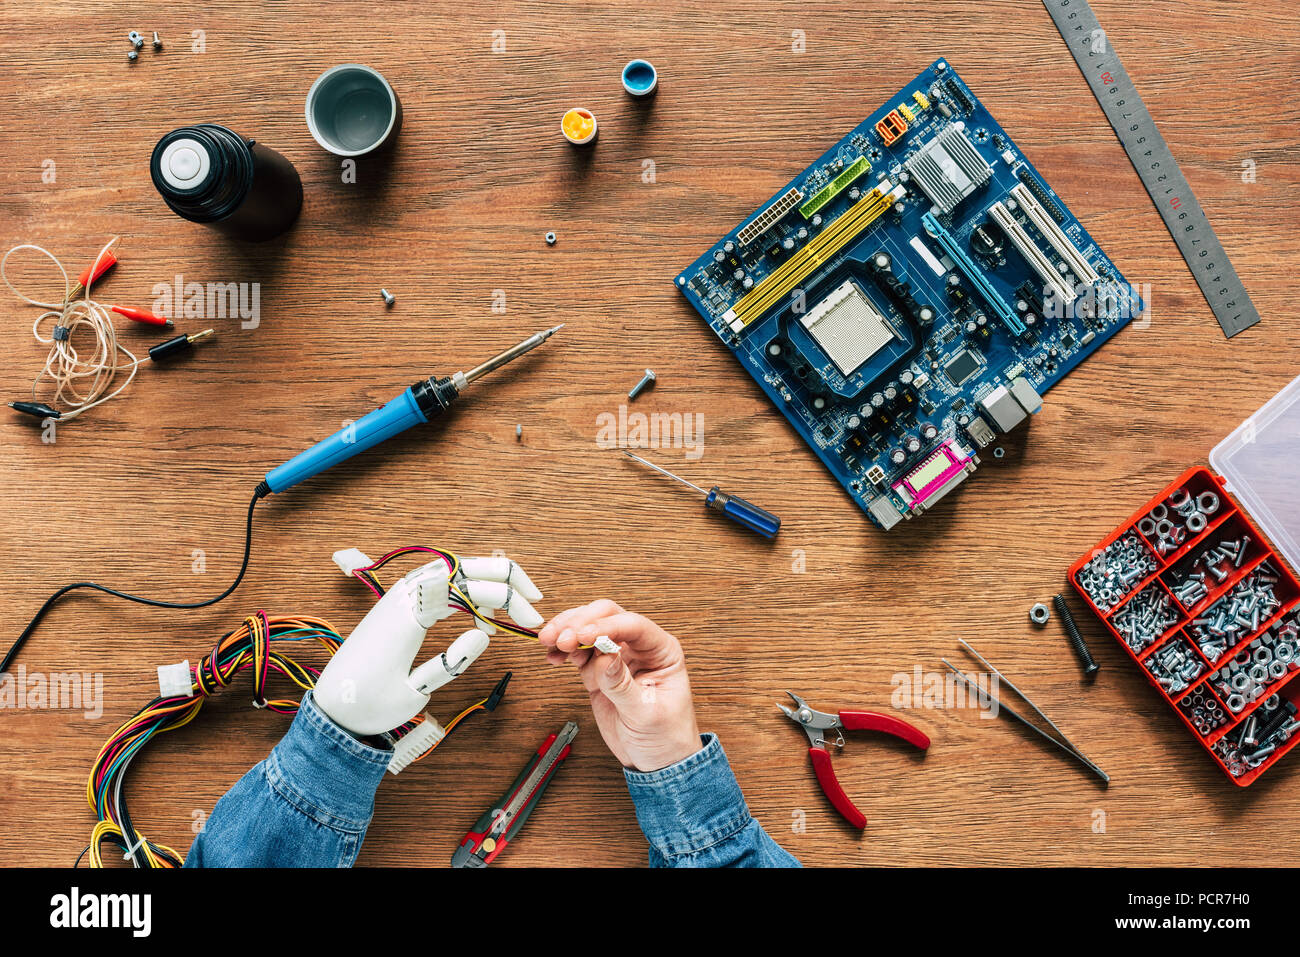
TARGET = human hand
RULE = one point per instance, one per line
(368, 686)
(641, 696)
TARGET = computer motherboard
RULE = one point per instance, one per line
(910, 296)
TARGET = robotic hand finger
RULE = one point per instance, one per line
(452, 663)
(499, 583)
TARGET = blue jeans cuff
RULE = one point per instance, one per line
(691, 805)
(325, 772)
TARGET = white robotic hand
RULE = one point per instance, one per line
(368, 687)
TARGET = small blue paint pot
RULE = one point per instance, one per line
(640, 78)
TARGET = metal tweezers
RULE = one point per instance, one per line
(1061, 742)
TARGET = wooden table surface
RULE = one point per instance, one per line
(454, 220)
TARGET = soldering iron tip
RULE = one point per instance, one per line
(553, 330)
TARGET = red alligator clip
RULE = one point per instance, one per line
(816, 723)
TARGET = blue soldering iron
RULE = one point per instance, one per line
(425, 400)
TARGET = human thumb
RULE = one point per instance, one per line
(615, 680)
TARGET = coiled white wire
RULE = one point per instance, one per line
(80, 383)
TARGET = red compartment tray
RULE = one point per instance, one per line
(1228, 522)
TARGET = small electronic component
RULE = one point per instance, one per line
(1008, 407)
(606, 645)
(1003, 411)
(961, 367)
(979, 432)
(891, 127)
(885, 512)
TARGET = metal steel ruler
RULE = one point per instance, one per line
(1155, 164)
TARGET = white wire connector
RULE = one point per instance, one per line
(350, 559)
(411, 746)
(606, 645)
(175, 681)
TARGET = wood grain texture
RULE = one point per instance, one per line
(458, 211)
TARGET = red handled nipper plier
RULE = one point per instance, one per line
(816, 723)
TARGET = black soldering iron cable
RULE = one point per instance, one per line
(261, 491)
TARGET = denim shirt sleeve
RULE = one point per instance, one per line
(307, 805)
(694, 815)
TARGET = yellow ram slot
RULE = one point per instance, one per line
(802, 264)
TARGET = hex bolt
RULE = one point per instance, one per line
(132, 56)
(1090, 667)
(389, 298)
(137, 41)
(647, 380)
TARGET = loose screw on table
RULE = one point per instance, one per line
(1090, 667)
(647, 380)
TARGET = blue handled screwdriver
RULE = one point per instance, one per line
(733, 506)
(425, 400)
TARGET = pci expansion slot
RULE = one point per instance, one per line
(1060, 242)
(973, 274)
(1033, 255)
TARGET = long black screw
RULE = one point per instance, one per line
(1090, 667)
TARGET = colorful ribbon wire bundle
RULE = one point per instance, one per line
(248, 646)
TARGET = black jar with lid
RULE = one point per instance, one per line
(211, 175)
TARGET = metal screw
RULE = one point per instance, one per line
(137, 41)
(132, 56)
(519, 433)
(550, 239)
(1090, 667)
(647, 380)
(389, 298)
(157, 44)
